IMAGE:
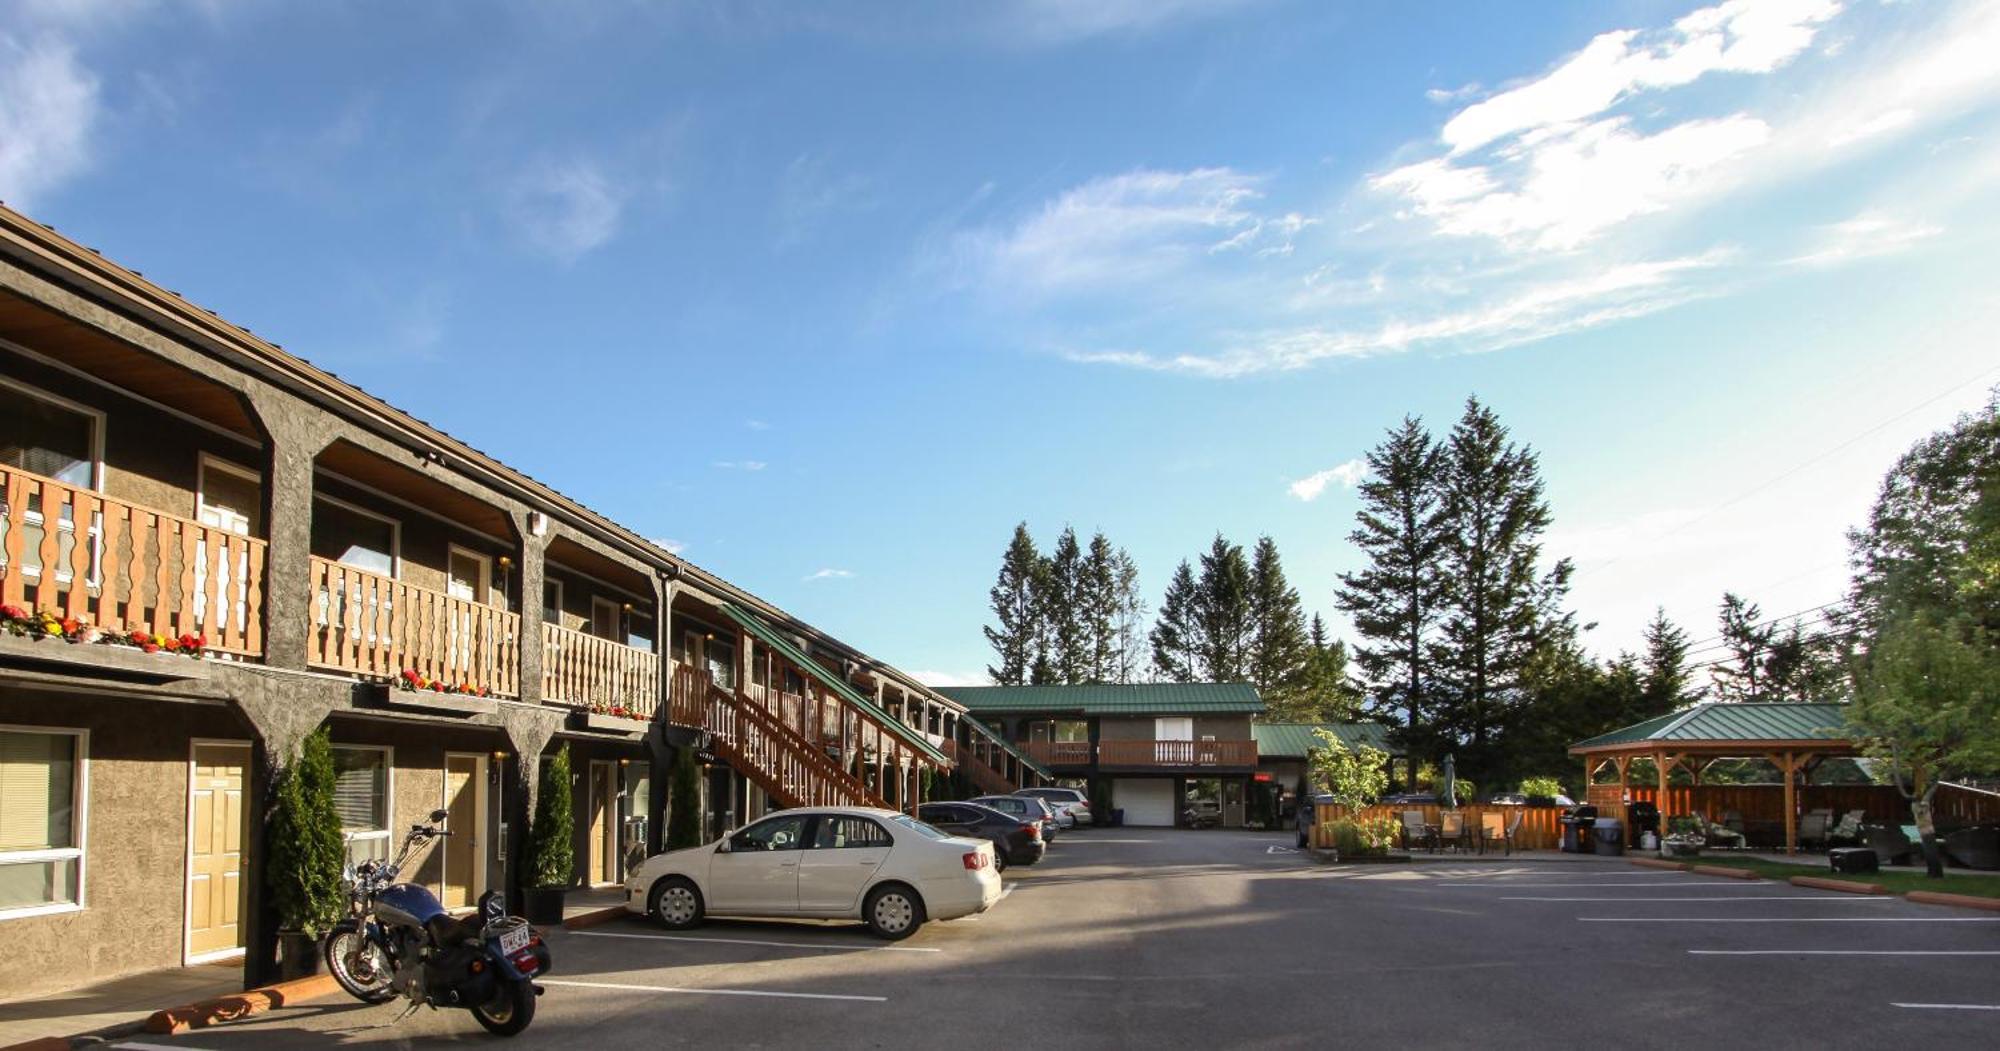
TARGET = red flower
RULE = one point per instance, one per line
(13, 613)
(193, 642)
(410, 676)
(437, 687)
(172, 645)
(71, 625)
(149, 647)
(482, 691)
(140, 638)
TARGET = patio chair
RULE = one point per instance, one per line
(1417, 830)
(1888, 842)
(1847, 829)
(1813, 828)
(1498, 828)
(1454, 831)
(1720, 835)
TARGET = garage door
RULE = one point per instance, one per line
(1145, 800)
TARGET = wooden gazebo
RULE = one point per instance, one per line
(1792, 737)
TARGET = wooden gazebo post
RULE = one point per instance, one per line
(1660, 801)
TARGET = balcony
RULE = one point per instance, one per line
(1059, 753)
(1161, 755)
(592, 672)
(378, 627)
(130, 568)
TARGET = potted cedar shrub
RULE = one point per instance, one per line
(683, 802)
(307, 854)
(551, 850)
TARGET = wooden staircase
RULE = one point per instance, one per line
(788, 767)
(984, 775)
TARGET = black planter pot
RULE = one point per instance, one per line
(545, 904)
(298, 955)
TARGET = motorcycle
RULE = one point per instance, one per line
(398, 940)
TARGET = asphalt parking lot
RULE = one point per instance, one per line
(1155, 938)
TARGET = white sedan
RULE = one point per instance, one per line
(886, 869)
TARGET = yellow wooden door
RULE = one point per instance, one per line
(603, 823)
(215, 848)
(464, 861)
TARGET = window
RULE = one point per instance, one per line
(841, 832)
(778, 833)
(231, 497)
(41, 820)
(552, 602)
(467, 574)
(351, 536)
(722, 661)
(48, 436)
(361, 797)
(639, 632)
(604, 617)
(918, 827)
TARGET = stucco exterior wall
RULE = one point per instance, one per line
(135, 840)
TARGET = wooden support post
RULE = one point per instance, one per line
(1791, 805)
(1660, 767)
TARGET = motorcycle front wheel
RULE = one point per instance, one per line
(509, 1011)
(359, 965)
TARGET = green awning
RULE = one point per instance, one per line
(990, 734)
(756, 626)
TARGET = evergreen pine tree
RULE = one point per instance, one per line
(551, 835)
(1496, 603)
(1017, 621)
(1223, 611)
(307, 852)
(1100, 610)
(1278, 648)
(1394, 600)
(1665, 681)
(1317, 633)
(1130, 619)
(1176, 636)
(1736, 679)
(683, 802)
(1065, 603)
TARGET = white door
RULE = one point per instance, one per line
(759, 875)
(1145, 800)
(1173, 730)
(845, 853)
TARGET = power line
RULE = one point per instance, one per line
(1754, 490)
(1771, 622)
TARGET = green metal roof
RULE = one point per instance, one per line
(1716, 722)
(756, 626)
(1152, 698)
(1294, 740)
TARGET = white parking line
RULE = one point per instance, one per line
(1952, 1007)
(1844, 952)
(1692, 885)
(710, 992)
(829, 947)
(1774, 897)
(1786, 919)
(135, 1045)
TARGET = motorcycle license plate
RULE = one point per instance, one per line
(516, 939)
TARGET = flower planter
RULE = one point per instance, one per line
(544, 905)
(599, 722)
(1673, 848)
(298, 955)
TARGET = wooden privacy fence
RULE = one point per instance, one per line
(1539, 830)
(1766, 803)
(125, 568)
(583, 669)
(375, 626)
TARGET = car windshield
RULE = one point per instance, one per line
(918, 827)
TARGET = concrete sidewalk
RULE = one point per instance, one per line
(117, 1003)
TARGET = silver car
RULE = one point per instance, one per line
(1065, 802)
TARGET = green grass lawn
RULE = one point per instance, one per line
(1897, 879)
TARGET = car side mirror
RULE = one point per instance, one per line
(723, 847)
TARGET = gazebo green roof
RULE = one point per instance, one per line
(1294, 740)
(1713, 724)
(1151, 698)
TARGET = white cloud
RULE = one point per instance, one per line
(1880, 124)
(828, 574)
(1866, 236)
(1119, 230)
(1348, 474)
(49, 106)
(1537, 312)
(1064, 21)
(565, 209)
(1740, 36)
(669, 545)
(741, 465)
(809, 194)
(757, 425)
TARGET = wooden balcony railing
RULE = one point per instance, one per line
(123, 567)
(372, 625)
(1059, 753)
(750, 737)
(586, 670)
(1176, 753)
(982, 762)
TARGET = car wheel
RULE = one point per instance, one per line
(893, 911)
(999, 861)
(677, 903)
(1302, 839)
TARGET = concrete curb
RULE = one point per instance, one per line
(1659, 863)
(594, 918)
(1713, 870)
(1847, 885)
(40, 1043)
(1963, 901)
(240, 1005)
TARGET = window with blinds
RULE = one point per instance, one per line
(361, 798)
(41, 833)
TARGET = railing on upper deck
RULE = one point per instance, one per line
(586, 670)
(123, 567)
(376, 626)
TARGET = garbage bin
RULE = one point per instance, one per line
(1608, 833)
(1117, 817)
(1645, 817)
(1575, 824)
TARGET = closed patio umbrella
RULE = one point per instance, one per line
(1449, 794)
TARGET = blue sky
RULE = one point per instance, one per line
(830, 296)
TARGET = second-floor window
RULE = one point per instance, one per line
(43, 435)
(353, 537)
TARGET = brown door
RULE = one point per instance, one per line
(464, 855)
(603, 822)
(215, 848)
